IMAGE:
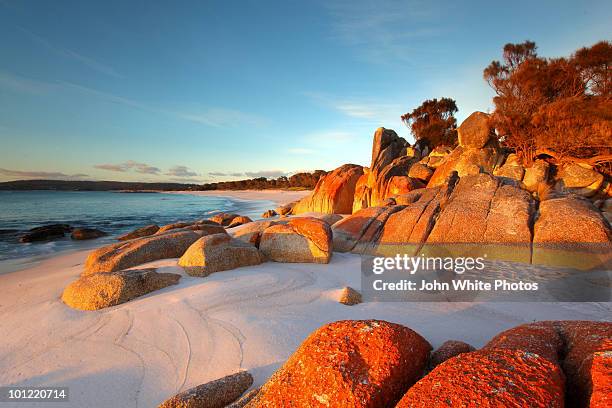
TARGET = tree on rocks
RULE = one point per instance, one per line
(433, 123)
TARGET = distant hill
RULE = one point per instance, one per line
(305, 181)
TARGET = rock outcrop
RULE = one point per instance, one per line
(570, 231)
(80, 234)
(45, 233)
(368, 363)
(285, 209)
(466, 162)
(269, 214)
(124, 255)
(218, 252)
(490, 378)
(298, 240)
(333, 193)
(215, 394)
(102, 290)
(139, 233)
(389, 159)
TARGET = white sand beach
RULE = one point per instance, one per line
(139, 353)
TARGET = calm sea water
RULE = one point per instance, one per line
(112, 212)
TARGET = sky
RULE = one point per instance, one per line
(204, 91)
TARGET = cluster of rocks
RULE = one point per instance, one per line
(474, 194)
(377, 364)
(55, 231)
(225, 241)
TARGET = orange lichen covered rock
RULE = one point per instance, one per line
(588, 351)
(582, 348)
(349, 363)
(541, 338)
(334, 192)
(490, 378)
(447, 350)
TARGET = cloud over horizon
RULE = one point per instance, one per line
(55, 175)
(181, 172)
(142, 168)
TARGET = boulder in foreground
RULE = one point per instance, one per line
(239, 221)
(102, 290)
(367, 363)
(124, 255)
(490, 378)
(218, 252)
(298, 240)
(214, 394)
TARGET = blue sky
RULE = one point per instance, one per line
(207, 91)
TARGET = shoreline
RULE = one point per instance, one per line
(259, 201)
(279, 197)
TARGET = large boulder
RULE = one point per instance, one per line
(490, 378)
(333, 193)
(582, 348)
(251, 232)
(570, 232)
(80, 234)
(174, 225)
(218, 252)
(579, 178)
(215, 394)
(269, 214)
(483, 210)
(124, 255)
(475, 131)
(139, 233)
(398, 185)
(102, 290)
(363, 192)
(368, 363)
(298, 240)
(45, 233)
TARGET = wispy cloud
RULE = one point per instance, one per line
(181, 171)
(219, 117)
(367, 109)
(141, 168)
(266, 173)
(71, 54)
(386, 30)
(21, 84)
(41, 174)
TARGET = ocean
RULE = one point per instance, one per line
(112, 212)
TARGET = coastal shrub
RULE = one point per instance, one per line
(560, 107)
(433, 123)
